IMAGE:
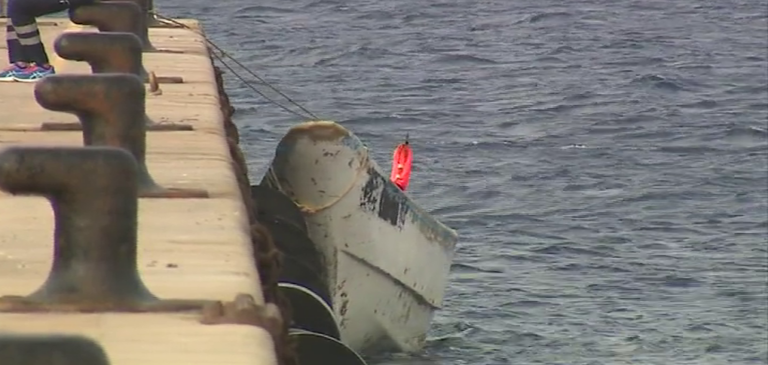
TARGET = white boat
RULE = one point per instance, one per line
(372, 254)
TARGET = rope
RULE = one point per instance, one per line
(307, 114)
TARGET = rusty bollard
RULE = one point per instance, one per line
(147, 9)
(114, 16)
(152, 21)
(50, 349)
(105, 52)
(119, 16)
(109, 52)
(148, 12)
(93, 192)
(111, 108)
(144, 6)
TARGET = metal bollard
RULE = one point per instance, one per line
(119, 16)
(93, 192)
(152, 18)
(109, 52)
(152, 21)
(115, 16)
(143, 5)
(50, 349)
(111, 110)
(147, 10)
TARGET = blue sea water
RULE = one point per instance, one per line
(605, 162)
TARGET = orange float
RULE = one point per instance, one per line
(402, 159)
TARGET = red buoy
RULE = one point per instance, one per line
(402, 159)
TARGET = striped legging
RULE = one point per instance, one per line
(22, 34)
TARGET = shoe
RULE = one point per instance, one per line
(9, 72)
(33, 73)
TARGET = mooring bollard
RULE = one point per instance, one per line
(93, 191)
(111, 108)
(94, 194)
(151, 18)
(147, 10)
(114, 16)
(52, 349)
(148, 13)
(109, 52)
(142, 4)
(120, 16)
(105, 52)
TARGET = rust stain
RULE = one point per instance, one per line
(344, 304)
(340, 287)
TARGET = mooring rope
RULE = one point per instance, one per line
(223, 54)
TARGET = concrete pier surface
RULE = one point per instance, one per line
(188, 248)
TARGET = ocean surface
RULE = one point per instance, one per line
(604, 161)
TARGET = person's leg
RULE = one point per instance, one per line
(29, 38)
(15, 54)
(21, 14)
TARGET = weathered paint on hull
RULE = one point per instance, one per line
(387, 259)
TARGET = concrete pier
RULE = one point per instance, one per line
(202, 250)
